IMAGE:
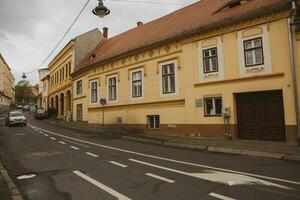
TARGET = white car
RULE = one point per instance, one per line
(15, 117)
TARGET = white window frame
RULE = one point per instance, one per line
(131, 85)
(77, 87)
(266, 67)
(213, 105)
(211, 76)
(107, 88)
(97, 92)
(161, 64)
(156, 126)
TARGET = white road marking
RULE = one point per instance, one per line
(217, 176)
(91, 154)
(172, 160)
(118, 164)
(20, 134)
(61, 142)
(218, 196)
(101, 186)
(160, 178)
(52, 138)
(46, 135)
(76, 148)
(41, 132)
(77, 143)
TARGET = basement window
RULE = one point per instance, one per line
(153, 121)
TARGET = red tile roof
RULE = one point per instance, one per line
(190, 19)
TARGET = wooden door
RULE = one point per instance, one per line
(260, 116)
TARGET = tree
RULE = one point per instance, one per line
(24, 93)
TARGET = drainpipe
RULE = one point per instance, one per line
(293, 68)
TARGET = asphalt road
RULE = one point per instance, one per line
(79, 166)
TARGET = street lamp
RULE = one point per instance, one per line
(101, 11)
(24, 76)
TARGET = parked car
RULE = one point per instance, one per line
(40, 114)
(19, 106)
(15, 117)
(26, 108)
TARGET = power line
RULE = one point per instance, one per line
(79, 14)
(63, 37)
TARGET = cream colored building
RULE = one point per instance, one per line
(207, 70)
(60, 68)
(7, 86)
(43, 88)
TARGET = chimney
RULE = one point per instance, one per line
(139, 23)
(105, 32)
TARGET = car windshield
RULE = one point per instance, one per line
(40, 111)
(15, 114)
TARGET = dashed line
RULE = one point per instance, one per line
(91, 154)
(101, 186)
(160, 178)
(61, 142)
(118, 164)
(52, 138)
(218, 196)
(77, 143)
(76, 148)
(46, 135)
(41, 132)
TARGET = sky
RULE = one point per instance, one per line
(30, 29)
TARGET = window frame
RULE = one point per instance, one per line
(77, 87)
(77, 113)
(156, 126)
(141, 70)
(205, 106)
(114, 76)
(253, 49)
(210, 57)
(97, 91)
(176, 77)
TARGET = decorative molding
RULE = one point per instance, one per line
(157, 104)
(279, 74)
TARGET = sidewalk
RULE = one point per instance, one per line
(276, 150)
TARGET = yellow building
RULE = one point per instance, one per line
(7, 86)
(60, 68)
(220, 69)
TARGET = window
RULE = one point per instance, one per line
(168, 78)
(153, 121)
(69, 68)
(213, 106)
(112, 88)
(79, 112)
(137, 84)
(94, 91)
(79, 87)
(210, 60)
(253, 52)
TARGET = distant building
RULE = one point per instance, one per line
(42, 74)
(45, 100)
(216, 68)
(61, 67)
(7, 86)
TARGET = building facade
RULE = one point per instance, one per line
(60, 68)
(41, 97)
(208, 70)
(7, 86)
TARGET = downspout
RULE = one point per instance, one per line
(293, 68)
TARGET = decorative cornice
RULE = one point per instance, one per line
(156, 104)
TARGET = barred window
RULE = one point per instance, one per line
(79, 112)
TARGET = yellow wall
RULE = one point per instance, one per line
(185, 53)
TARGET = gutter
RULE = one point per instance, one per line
(252, 14)
(293, 67)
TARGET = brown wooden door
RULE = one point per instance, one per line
(260, 116)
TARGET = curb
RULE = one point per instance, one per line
(15, 194)
(215, 149)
